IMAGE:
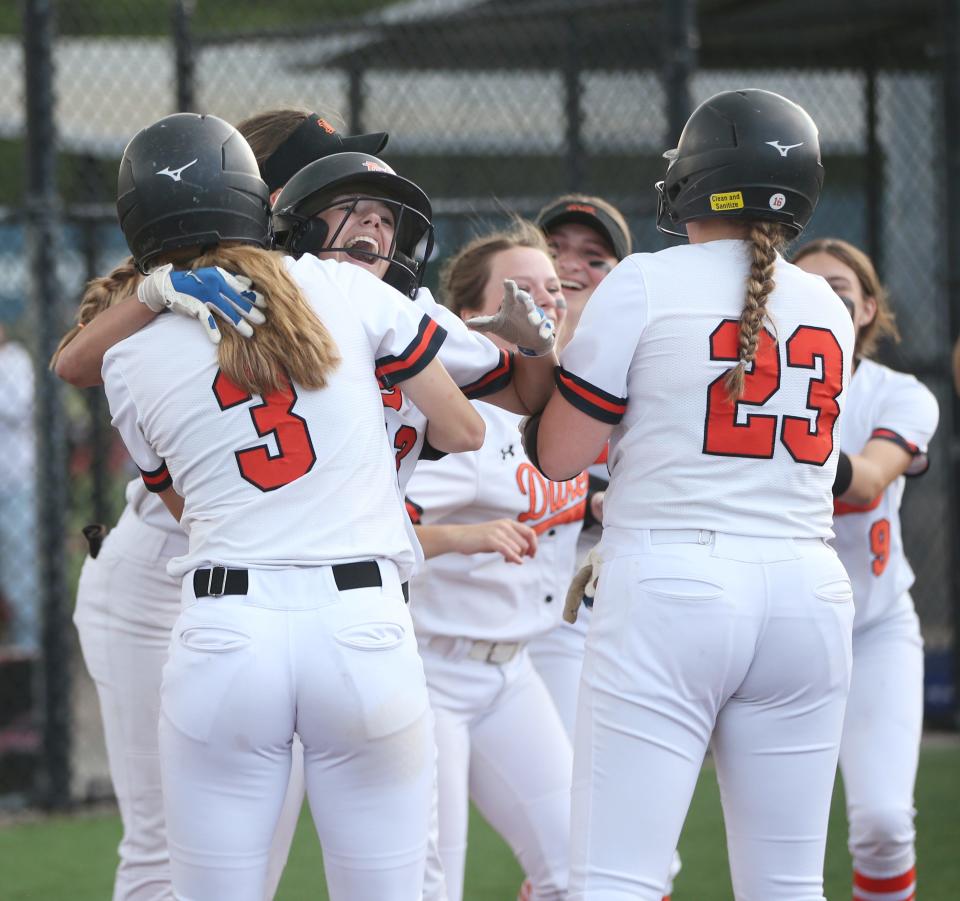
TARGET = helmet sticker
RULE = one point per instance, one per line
(730, 200)
(326, 126)
(177, 174)
(777, 201)
(783, 148)
(376, 167)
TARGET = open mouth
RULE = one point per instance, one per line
(362, 248)
(570, 285)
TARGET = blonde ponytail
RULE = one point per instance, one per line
(766, 238)
(292, 344)
(101, 293)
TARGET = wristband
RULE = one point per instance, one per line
(844, 475)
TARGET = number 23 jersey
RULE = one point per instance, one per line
(890, 406)
(293, 478)
(649, 356)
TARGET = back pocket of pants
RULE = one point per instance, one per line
(204, 663)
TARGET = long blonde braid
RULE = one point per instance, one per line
(766, 238)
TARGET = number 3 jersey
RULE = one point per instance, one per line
(649, 356)
(891, 406)
(293, 478)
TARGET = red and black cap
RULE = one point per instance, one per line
(591, 215)
(313, 139)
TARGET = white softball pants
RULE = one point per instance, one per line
(881, 742)
(501, 743)
(701, 637)
(339, 668)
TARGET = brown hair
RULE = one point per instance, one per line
(100, 294)
(765, 238)
(884, 324)
(464, 276)
(293, 343)
(266, 131)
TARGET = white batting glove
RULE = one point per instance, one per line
(518, 321)
(583, 587)
(204, 294)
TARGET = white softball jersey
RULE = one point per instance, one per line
(682, 455)
(483, 597)
(892, 406)
(475, 363)
(296, 477)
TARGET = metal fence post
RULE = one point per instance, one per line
(44, 292)
(573, 109)
(185, 59)
(681, 40)
(950, 148)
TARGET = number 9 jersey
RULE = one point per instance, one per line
(891, 406)
(296, 477)
(682, 455)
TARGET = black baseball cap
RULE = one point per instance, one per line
(590, 214)
(313, 139)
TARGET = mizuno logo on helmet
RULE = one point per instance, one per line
(783, 148)
(176, 173)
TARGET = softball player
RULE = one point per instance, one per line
(260, 599)
(888, 422)
(721, 616)
(500, 543)
(126, 602)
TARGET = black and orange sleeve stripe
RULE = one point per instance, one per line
(909, 447)
(497, 378)
(414, 511)
(391, 370)
(157, 480)
(589, 399)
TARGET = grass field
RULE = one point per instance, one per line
(73, 857)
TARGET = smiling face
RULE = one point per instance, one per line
(361, 227)
(533, 272)
(845, 283)
(582, 257)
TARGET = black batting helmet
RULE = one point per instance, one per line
(348, 178)
(746, 154)
(190, 180)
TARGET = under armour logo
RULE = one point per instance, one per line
(176, 173)
(783, 148)
(507, 452)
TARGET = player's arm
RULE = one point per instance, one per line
(206, 294)
(81, 361)
(453, 425)
(873, 469)
(563, 440)
(511, 539)
(172, 501)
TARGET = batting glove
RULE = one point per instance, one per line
(205, 294)
(583, 587)
(519, 321)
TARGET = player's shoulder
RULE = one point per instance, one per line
(882, 381)
(154, 341)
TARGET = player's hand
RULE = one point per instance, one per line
(583, 587)
(518, 321)
(511, 539)
(205, 294)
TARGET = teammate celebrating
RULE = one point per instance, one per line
(888, 422)
(259, 597)
(500, 544)
(126, 601)
(721, 616)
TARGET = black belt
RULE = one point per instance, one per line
(220, 580)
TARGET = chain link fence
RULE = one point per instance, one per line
(492, 107)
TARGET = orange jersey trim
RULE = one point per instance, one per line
(589, 399)
(840, 508)
(415, 357)
(158, 479)
(497, 378)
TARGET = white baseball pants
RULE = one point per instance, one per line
(339, 668)
(881, 742)
(125, 611)
(501, 743)
(698, 637)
